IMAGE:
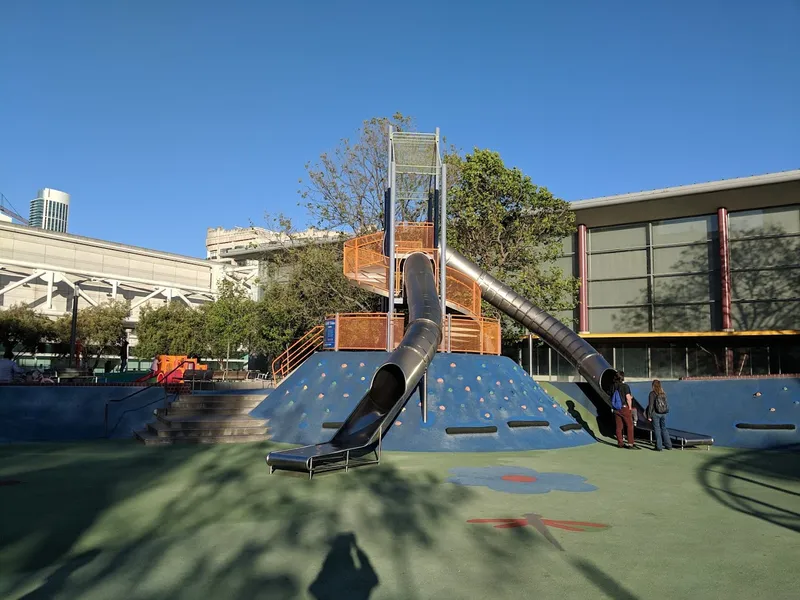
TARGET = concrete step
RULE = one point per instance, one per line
(149, 439)
(218, 411)
(212, 421)
(230, 404)
(165, 431)
(222, 397)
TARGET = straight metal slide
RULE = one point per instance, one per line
(589, 362)
(391, 386)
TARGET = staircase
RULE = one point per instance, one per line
(206, 419)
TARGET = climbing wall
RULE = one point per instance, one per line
(737, 413)
(466, 394)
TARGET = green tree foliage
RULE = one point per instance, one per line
(230, 321)
(174, 329)
(101, 329)
(304, 283)
(22, 329)
(345, 189)
(511, 228)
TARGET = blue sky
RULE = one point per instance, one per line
(163, 118)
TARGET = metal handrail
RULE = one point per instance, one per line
(139, 391)
(310, 340)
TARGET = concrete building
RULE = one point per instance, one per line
(690, 281)
(46, 269)
(50, 210)
(247, 243)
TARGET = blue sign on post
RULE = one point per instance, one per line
(329, 339)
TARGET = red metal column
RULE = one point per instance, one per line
(724, 269)
(583, 276)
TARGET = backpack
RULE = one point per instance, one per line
(616, 400)
(660, 405)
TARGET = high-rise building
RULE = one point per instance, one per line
(50, 210)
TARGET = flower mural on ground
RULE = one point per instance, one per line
(519, 480)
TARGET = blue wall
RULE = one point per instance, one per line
(330, 384)
(714, 407)
(45, 413)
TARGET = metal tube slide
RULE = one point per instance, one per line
(393, 382)
(589, 362)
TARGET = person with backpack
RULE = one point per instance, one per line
(657, 409)
(622, 407)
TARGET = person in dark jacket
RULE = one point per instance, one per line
(624, 418)
(657, 409)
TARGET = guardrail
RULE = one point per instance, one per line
(295, 354)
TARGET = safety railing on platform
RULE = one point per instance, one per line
(298, 352)
(366, 331)
(473, 335)
(365, 264)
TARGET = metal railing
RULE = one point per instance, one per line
(365, 264)
(165, 383)
(298, 352)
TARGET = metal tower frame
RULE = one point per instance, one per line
(416, 177)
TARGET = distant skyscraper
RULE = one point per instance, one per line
(50, 210)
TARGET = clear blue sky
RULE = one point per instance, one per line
(163, 118)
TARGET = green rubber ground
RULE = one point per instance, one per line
(118, 520)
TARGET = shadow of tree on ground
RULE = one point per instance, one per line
(753, 482)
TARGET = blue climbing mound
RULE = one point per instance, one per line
(471, 401)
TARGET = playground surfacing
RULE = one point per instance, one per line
(104, 520)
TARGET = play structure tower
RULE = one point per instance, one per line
(410, 263)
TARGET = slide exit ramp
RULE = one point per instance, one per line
(392, 384)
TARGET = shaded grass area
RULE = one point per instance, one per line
(101, 520)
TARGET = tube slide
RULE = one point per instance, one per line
(391, 386)
(589, 362)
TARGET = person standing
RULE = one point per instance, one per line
(657, 409)
(10, 372)
(623, 414)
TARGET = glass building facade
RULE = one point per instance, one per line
(664, 299)
(50, 210)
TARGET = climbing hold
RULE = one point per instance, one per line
(327, 410)
(404, 409)
(441, 407)
(505, 397)
(524, 407)
(398, 423)
(498, 383)
(321, 396)
(319, 364)
(487, 415)
(771, 410)
(360, 364)
(462, 406)
(449, 389)
(305, 387)
(344, 365)
(466, 389)
(555, 405)
(510, 381)
(757, 394)
(291, 402)
(323, 375)
(345, 395)
(478, 378)
(491, 393)
(541, 409)
(785, 389)
(452, 365)
(287, 393)
(440, 380)
(363, 378)
(481, 399)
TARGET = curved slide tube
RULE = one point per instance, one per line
(391, 386)
(589, 362)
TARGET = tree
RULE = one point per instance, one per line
(100, 329)
(21, 328)
(511, 228)
(229, 321)
(345, 189)
(174, 329)
(304, 283)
